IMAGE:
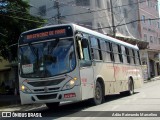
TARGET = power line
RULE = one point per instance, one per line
(101, 18)
(128, 12)
(99, 10)
(15, 17)
(128, 23)
(114, 28)
(11, 10)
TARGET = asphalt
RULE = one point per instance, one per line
(7, 100)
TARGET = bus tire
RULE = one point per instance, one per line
(98, 96)
(52, 105)
(130, 87)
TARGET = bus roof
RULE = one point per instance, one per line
(100, 35)
(89, 31)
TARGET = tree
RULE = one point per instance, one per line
(14, 19)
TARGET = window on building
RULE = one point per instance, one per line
(156, 7)
(141, 1)
(145, 37)
(125, 13)
(42, 10)
(150, 21)
(82, 2)
(143, 18)
(133, 24)
(148, 2)
(158, 25)
(130, 3)
(108, 6)
(98, 3)
(151, 39)
(155, 40)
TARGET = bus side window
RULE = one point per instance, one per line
(116, 52)
(105, 51)
(86, 54)
(134, 58)
(120, 53)
(127, 54)
(131, 56)
(124, 54)
(95, 48)
(111, 53)
(137, 57)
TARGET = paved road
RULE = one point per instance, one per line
(146, 98)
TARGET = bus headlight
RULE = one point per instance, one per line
(25, 89)
(70, 84)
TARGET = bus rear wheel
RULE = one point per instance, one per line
(52, 105)
(98, 96)
(130, 87)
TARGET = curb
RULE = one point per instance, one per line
(152, 79)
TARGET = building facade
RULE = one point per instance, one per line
(8, 77)
(129, 19)
(94, 14)
(150, 32)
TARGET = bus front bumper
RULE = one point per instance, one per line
(73, 94)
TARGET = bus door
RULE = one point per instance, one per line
(86, 69)
(87, 81)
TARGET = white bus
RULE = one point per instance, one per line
(71, 63)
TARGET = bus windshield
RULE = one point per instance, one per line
(47, 59)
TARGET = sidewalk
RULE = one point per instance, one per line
(155, 78)
(152, 79)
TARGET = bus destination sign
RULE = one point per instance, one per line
(46, 34)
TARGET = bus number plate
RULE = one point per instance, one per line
(69, 95)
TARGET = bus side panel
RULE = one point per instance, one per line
(139, 81)
(106, 72)
(87, 82)
(121, 77)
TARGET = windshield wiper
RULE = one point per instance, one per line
(33, 51)
(53, 46)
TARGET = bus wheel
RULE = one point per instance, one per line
(52, 105)
(98, 97)
(130, 87)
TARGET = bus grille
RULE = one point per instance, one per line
(46, 83)
(44, 97)
(50, 89)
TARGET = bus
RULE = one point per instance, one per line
(69, 62)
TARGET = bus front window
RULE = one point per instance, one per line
(47, 59)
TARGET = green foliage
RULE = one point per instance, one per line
(14, 19)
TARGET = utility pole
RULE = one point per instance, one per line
(113, 25)
(56, 5)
